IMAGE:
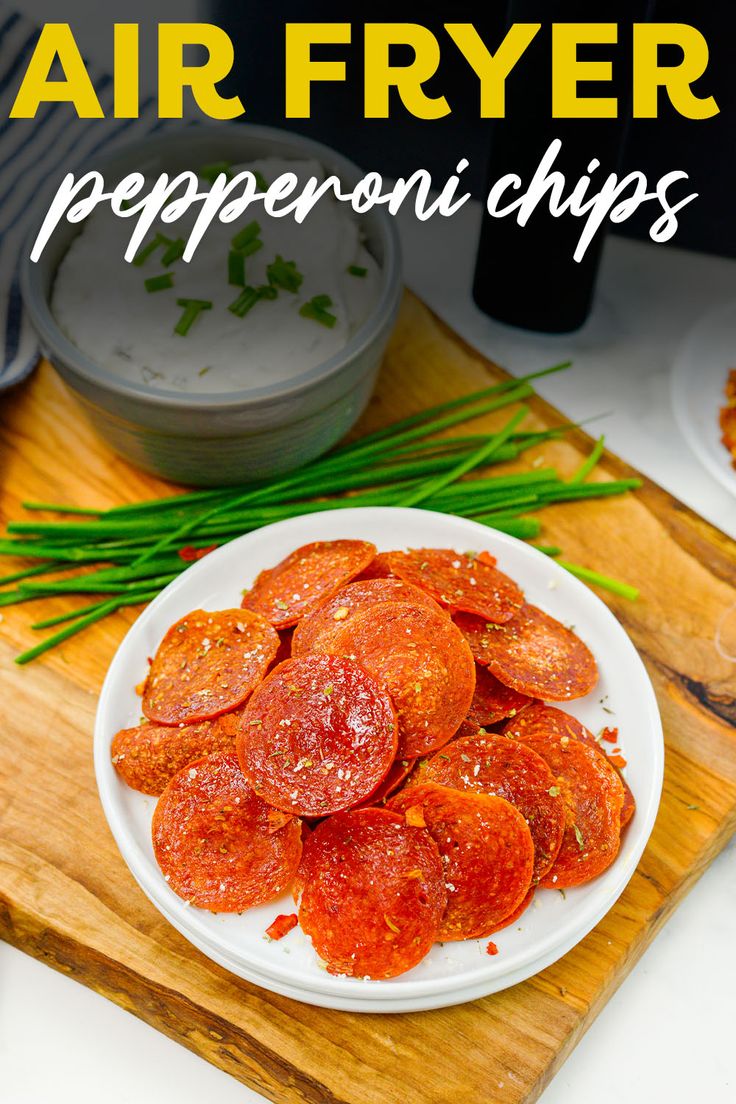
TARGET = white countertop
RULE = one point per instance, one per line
(60, 1042)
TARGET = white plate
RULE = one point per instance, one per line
(698, 378)
(455, 972)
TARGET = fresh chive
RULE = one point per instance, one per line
(250, 247)
(192, 310)
(261, 182)
(236, 268)
(72, 615)
(357, 270)
(285, 275)
(160, 283)
(173, 252)
(316, 310)
(587, 465)
(147, 250)
(245, 302)
(247, 234)
(623, 590)
(211, 172)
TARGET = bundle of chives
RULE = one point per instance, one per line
(137, 547)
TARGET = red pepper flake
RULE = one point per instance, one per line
(492, 949)
(610, 735)
(617, 761)
(281, 926)
(189, 554)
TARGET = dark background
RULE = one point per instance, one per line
(705, 149)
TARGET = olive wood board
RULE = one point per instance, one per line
(67, 898)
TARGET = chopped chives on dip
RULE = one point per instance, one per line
(173, 252)
(192, 310)
(236, 268)
(284, 274)
(357, 270)
(316, 309)
(246, 301)
(248, 234)
(160, 283)
(211, 172)
(149, 248)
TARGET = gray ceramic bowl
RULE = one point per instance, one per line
(225, 437)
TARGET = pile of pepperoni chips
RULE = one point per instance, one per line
(372, 731)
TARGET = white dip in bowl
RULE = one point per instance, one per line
(101, 303)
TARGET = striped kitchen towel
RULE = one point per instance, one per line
(35, 154)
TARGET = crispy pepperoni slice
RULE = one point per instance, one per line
(459, 582)
(148, 756)
(492, 701)
(399, 772)
(487, 855)
(591, 790)
(307, 577)
(533, 654)
(334, 613)
(373, 893)
(319, 735)
(207, 664)
(378, 568)
(421, 659)
(215, 842)
(286, 637)
(488, 763)
(516, 914)
(582, 733)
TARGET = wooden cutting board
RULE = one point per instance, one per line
(67, 898)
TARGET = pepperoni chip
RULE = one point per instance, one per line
(487, 855)
(207, 664)
(148, 756)
(516, 914)
(533, 654)
(492, 701)
(488, 763)
(580, 732)
(399, 772)
(334, 613)
(319, 735)
(373, 893)
(215, 842)
(313, 573)
(421, 659)
(459, 582)
(591, 790)
(378, 568)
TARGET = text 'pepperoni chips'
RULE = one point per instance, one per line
(301, 582)
(317, 736)
(492, 701)
(488, 763)
(148, 756)
(486, 850)
(423, 662)
(459, 582)
(207, 664)
(334, 613)
(533, 653)
(215, 842)
(373, 893)
(591, 790)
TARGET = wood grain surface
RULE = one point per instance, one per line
(67, 898)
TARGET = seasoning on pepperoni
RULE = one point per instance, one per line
(421, 659)
(334, 613)
(373, 893)
(492, 701)
(148, 756)
(207, 664)
(459, 582)
(399, 772)
(378, 568)
(317, 736)
(582, 733)
(488, 763)
(533, 654)
(591, 790)
(486, 850)
(285, 593)
(214, 842)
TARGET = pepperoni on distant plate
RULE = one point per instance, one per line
(207, 664)
(319, 735)
(214, 839)
(148, 756)
(336, 611)
(307, 577)
(487, 855)
(591, 790)
(492, 701)
(533, 654)
(459, 582)
(421, 659)
(373, 893)
(488, 763)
